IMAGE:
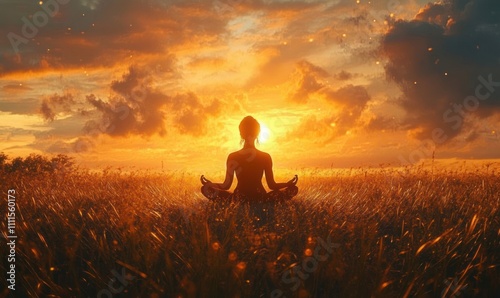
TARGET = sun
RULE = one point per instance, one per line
(265, 133)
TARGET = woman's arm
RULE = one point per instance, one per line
(268, 168)
(227, 181)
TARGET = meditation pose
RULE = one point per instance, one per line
(249, 164)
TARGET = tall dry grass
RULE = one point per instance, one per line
(400, 233)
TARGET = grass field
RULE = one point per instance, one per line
(356, 233)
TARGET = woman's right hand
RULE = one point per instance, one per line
(293, 181)
(204, 180)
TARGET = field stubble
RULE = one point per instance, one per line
(397, 233)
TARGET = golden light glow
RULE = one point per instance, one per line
(265, 133)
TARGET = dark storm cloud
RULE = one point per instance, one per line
(56, 103)
(137, 108)
(433, 13)
(99, 33)
(447, 63)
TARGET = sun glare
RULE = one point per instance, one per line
(265, 133)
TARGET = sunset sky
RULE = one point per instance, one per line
(334, 83)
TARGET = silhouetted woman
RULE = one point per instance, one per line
(249, 164)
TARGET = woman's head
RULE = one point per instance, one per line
(249, 128)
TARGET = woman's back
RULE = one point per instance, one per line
(249, 165)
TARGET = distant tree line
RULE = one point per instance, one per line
(36, 163)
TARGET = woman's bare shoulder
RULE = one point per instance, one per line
(264, 155)
(232, 155)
